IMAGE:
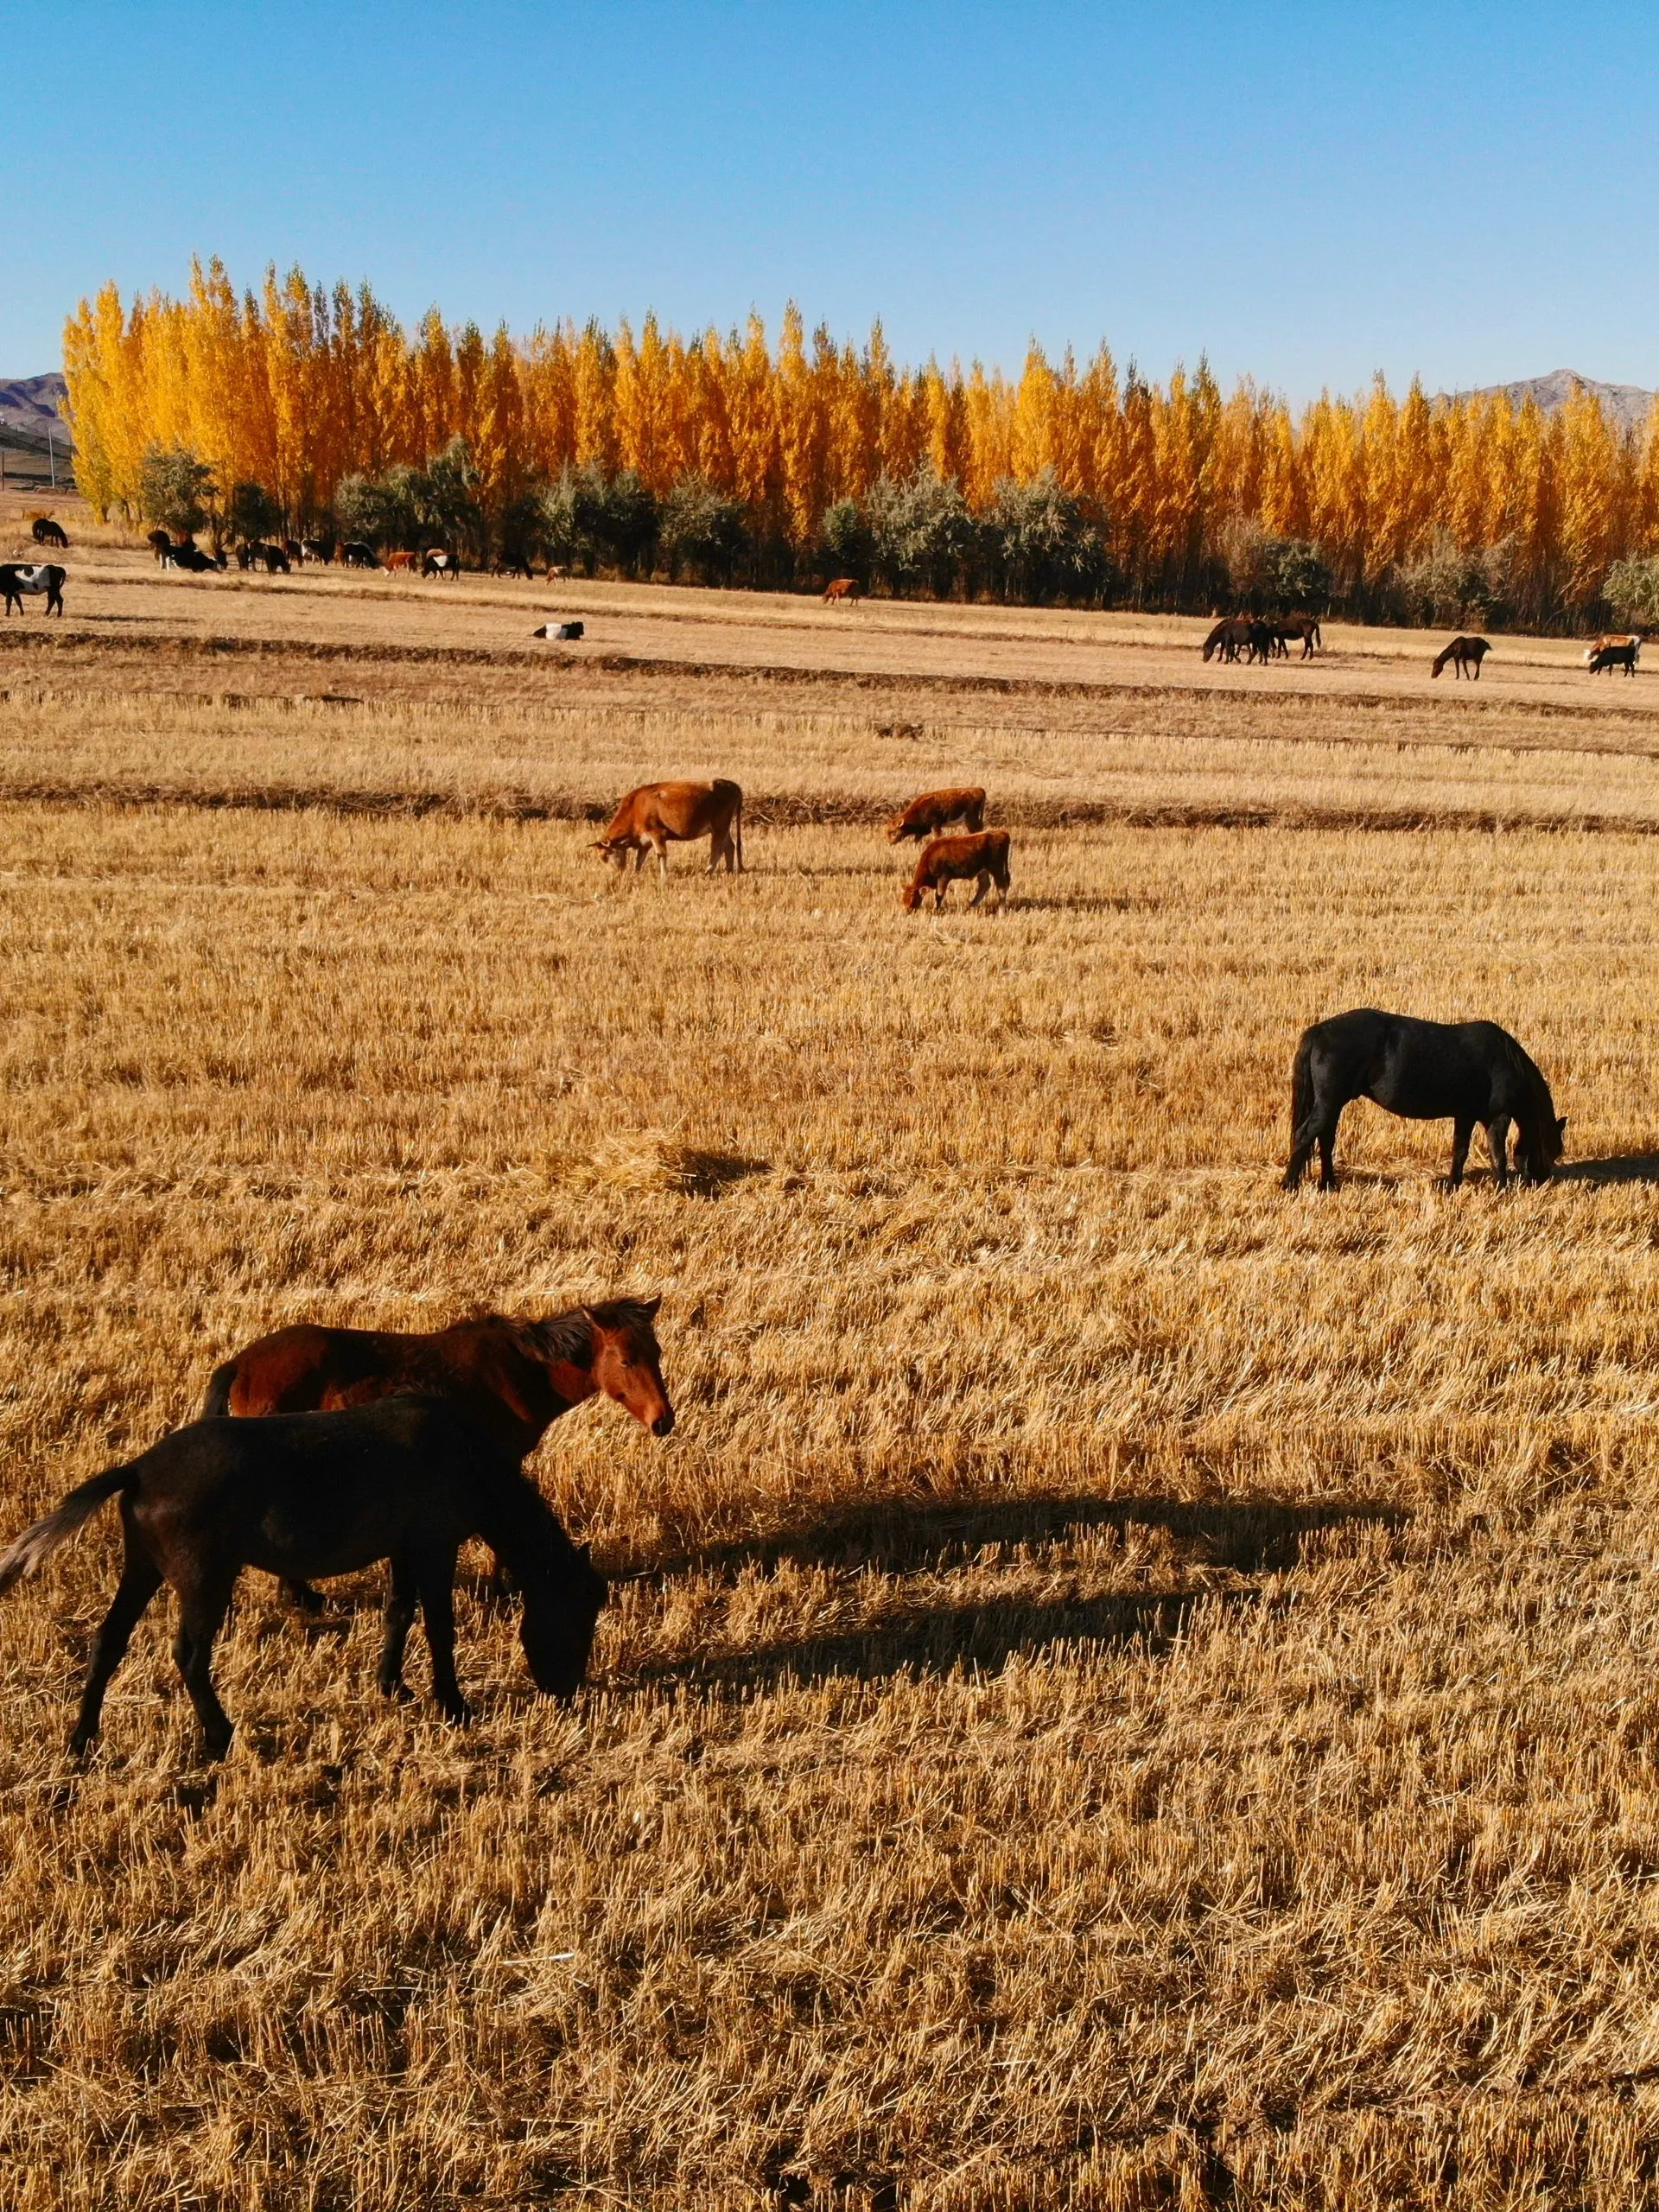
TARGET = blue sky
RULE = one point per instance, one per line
(1306, 194)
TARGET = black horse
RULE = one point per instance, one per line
(308, 1494)
(1473, 1072)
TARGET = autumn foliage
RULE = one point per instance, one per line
(1067, 481)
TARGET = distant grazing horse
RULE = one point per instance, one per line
(513, 1378)
(983, 858)
(1469, 1071)
(294, 551)
(935, 811)
(45, 531)
(317, 549)
(272, 558)
(649, 817)
(1305, 626)
(843, 591)
(408, 1480)
(1610, 657)
(161, 545)
(1464, 654)
(513, 564)
(439, 564)
(1239, 633)
(189, 555)
(18, 580)
(355, 554)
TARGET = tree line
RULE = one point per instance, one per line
(729, 459)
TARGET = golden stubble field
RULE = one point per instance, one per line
(1130, 1690)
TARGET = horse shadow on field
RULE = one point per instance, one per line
(1616, 1167)
(927, 1632)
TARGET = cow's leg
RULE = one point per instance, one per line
(399, 1614)
(1498, 1143)
(140, 1581)
(982, 883)
(660, 845)
(1463, 1129)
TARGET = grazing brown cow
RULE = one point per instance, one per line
(935, 811)
(1463, 653)
(650, 817)
(953, 860)
(845, 589)
(405, 562)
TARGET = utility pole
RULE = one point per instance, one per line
(52, 460)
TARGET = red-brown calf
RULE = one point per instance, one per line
(983, 856)
(935, 811)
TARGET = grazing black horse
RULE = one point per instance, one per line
(1473, 1072)
(306, 1494)
(1463, 653)
(45, 531)
(1609, 656)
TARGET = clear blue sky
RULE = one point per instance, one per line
(1305, 193)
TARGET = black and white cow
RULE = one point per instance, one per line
(19, 578)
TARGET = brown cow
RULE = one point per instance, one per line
(405, 562)
(934, 810)
(650, 817)
(844, 589)
(953, 860)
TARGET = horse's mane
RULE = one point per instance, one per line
(567, 1335)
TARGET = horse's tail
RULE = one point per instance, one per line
(217, 1404)
(36, 1544)
(1301, 1085)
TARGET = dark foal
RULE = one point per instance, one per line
(302, 1496)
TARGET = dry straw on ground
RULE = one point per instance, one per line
(1129, 1690)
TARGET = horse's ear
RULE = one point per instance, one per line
(651, 1306)
(585, 1553)
(1561, 1125)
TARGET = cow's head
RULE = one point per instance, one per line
(614, 851)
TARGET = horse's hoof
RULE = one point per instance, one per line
(398, 1691)
(459, 1716)
(81, 1747)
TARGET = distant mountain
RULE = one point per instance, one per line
(30, 405)
(1627, 403)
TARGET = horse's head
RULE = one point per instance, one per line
(562, 1602)
(627, 1362)
(1540, 1146)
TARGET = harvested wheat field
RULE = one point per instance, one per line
(1125, 1689)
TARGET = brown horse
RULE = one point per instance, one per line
(648, 817)
(408, 1481)
(935, 811)
(1464, 653)
(514, 1378)
(1305, 626)
(983, 859)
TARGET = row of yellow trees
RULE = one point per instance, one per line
(295, 388)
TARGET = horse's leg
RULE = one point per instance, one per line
(304, 1597)
(202, 1607)
(1327, 1143)
(1498, 1143)
(399, 1614)
(436, 1579)
(140, 1579)
(1462, 1130)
